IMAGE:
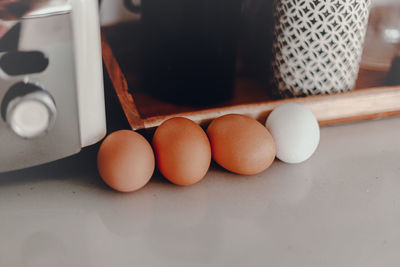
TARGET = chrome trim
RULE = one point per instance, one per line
(49, 11)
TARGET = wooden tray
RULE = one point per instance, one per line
(370, 100)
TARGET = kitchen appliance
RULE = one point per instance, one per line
(51, 83)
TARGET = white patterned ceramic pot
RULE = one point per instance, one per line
(318, 45)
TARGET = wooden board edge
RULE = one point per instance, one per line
(368, 117)
(120, 85)
(352, 106)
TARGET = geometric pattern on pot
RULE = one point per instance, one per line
(318, 45)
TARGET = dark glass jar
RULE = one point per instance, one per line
(189, 49)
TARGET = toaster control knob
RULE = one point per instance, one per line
(31, 112)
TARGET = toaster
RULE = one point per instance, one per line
(51, 82)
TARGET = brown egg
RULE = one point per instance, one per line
(125, 161)
(182, 151)
(241, 144)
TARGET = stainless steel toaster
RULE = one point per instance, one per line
(51, 81)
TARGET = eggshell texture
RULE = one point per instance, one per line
(182, 150)
(296, 132)
(125, 161)
(241, 144)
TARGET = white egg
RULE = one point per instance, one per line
(295, 131)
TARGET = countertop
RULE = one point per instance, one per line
(340, 208)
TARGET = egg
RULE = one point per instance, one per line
(125, 161)
(295, 131)
(182, 150)
(241, 144)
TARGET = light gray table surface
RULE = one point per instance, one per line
(340, 208)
